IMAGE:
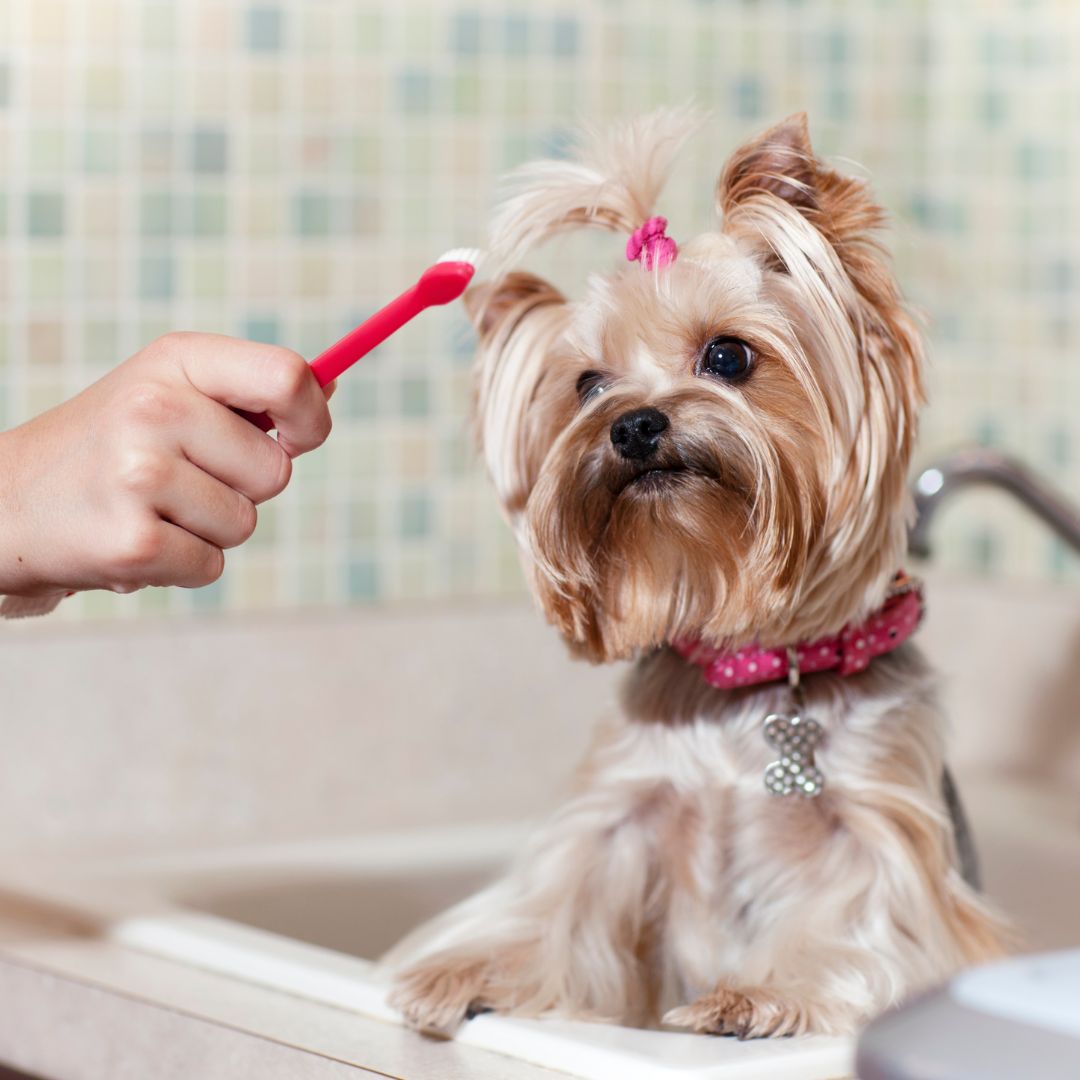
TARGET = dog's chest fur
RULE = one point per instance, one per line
(748, 874)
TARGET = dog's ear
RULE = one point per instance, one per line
(521, 400)
(780, 161)
(491, 303)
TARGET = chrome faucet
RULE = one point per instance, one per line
(939, 481)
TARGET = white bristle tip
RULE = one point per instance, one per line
(465, 255)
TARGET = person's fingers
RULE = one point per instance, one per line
(257, 378)
(206, 507)
(154, 552)
(235, 451)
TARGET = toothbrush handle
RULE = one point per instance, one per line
(328, 365)
(356, 344)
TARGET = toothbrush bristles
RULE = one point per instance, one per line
(466, 255)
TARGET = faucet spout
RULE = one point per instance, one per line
(940, 481)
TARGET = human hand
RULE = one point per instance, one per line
(147, 476)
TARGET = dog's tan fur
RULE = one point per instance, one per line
(672, 883)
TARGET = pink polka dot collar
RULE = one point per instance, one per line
(848, 652)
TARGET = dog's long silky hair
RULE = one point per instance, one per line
(772, 510)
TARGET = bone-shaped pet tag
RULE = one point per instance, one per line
(795, 739)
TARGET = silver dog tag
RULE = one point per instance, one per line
(795, 739)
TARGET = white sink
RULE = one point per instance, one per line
(309, 919)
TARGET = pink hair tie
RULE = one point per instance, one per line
(649, 244)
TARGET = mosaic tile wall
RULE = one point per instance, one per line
(278, 169)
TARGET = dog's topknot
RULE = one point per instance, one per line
(611, 183)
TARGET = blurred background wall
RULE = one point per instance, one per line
(277, 170)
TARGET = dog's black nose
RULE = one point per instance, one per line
(636, 435)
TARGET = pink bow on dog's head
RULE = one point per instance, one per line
(649, 244)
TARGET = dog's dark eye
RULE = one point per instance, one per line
(726, 358)
(590, 385)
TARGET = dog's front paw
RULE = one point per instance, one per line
(746, 1014)
(437, 994)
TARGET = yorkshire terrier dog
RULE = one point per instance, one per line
(704, 461)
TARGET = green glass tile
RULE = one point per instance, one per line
(516, 149)
(101, 151)
(44, 396)
(158, 25)
(414, 91)
(47, 276)
(567, 96)
(153, 601)
(3, 214)
(3, 346)
(467, 94)
(414, 576)
(101, 343)
(157, 151)
(312, 584)
(457, 454)
(363, 521)
(417, 210)
(1032, 160)
(209, 150)
(264, 28)
(104, 89)
(45, 213)
(415, 516)
(267, 531)
(311, 213)
(360, 394)
(465, 33)
(367, 154)
(419, 31)
(5, 83)
(365, 214)
(207, 277)
(415, 397)
(510, 578)
(369, 31)
(1060, 447)
(312, 336)
(208, 214)
(156, 277)
(318, 31)
(100, 604)
(565, 37)
(515, 34)
(210, 597)
(363, 580)
(418, 154)
(262, 328)
(516, 98)
(156, 213)
(46, 151)
(153, 327)
(314, 518)
(264, 157)
(461, 566)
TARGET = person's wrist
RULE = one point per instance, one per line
(18, 574)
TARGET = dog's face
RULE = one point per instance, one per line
(716, 448)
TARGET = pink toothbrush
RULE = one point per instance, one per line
(446, 280)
